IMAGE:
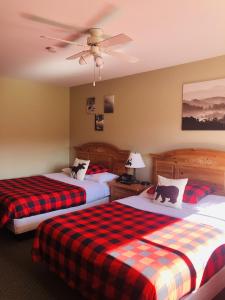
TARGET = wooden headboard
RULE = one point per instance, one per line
(103, 153)
(194, 164)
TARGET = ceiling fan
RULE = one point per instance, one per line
(97, 42)
(97, 45)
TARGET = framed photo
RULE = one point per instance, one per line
(99, 122)
(91, 107)
(109, 104)
(204, 105)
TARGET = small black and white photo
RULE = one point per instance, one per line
(109, 104)
(99, 122)
(91, 107)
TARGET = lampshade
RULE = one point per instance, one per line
(99, 61)
(135, 161)
(82, 61)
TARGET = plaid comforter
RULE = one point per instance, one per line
(117, 252)
(24, 197)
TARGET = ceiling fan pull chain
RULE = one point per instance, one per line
(94, 74)
(99, 74)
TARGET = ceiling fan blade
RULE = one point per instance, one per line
(60, 40)
(71, 38)
(78, 31)
(84, 53)
(120, 55)
(107, 11)
(38, 19)
(70, 28)
(115, 40)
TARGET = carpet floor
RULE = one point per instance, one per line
(20, 279)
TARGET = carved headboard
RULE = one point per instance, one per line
(195, 164)
(103, 153)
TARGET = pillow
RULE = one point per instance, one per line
(169, 192)
(67, 171)
(79, 168)
(195, 191)
(96, 168)
(102, 177)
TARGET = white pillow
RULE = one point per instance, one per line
(101, 177)
(67, 171)
(79, 168)
(169, 192)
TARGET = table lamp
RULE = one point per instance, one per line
(135, 161)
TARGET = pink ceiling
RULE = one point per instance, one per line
(165, 33)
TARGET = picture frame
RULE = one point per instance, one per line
(99, 122)
(109, 104)
(203, 105)
(90, 105)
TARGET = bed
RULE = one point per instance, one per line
(42, 197)
(135, 249)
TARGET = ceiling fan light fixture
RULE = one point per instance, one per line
(99, 61)
(82, 61)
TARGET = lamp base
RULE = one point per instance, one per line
(129, 178)
(134, 177)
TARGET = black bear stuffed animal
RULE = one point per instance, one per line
(170, 192)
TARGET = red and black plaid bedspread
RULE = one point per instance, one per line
(24, 197)
(116, 252)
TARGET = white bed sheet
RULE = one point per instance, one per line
(204, 212)
(94, 190)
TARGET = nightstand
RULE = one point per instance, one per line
(120, 190)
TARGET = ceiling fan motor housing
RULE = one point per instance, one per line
(95, 36)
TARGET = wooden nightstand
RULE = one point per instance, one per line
(120, 190)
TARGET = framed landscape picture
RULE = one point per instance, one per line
(204, 105)
(109, 104)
